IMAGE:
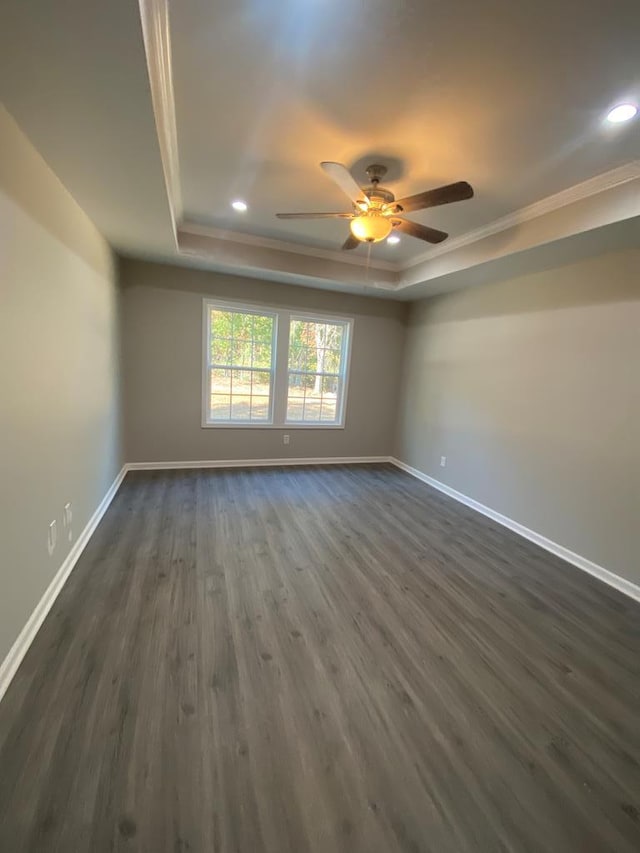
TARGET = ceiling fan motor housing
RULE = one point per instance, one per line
(379, 194)
(374, 192)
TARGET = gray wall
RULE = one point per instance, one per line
(162, 352)
(59, 419)
(531, 389)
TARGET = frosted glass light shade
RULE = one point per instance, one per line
(371, 227)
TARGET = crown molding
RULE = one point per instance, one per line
(154, 16)
(592, 186)
(396, 280)
(242, 239)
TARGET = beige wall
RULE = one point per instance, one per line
(59, 415)
(531, 389)
(162, 351)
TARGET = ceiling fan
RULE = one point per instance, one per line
(376, 212)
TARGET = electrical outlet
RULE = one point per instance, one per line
(52, 537)
(285, 439)
(67, 519)
(443, 461)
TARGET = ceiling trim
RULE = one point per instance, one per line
(592, 186)
(154, 16)
(230, 253)
(619, 203)
(200, 230)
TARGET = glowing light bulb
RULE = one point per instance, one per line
(371, 227)
(623, 112)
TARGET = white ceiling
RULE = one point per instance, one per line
(509, 96)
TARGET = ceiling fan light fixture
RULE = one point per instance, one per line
(375, 211)
(370, 227)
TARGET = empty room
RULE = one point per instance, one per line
(319, 426)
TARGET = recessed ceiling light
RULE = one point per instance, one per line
(238, 205)
(623, 112)
(393, 239)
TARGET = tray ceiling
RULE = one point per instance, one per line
(246, 97)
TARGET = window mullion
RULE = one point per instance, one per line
(281, 378)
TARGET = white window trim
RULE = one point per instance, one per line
(206, 338)
(343, 377)
(280, 370)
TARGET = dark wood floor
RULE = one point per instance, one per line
(316, 660)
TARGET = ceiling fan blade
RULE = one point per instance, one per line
(341, 176)
(422, 232)
(314, 215)
(350, 243)
(441, 195)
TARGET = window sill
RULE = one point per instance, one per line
(283, 427)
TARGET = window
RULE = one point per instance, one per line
(274, 368)
(316, 370)
(239, 368)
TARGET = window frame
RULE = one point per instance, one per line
(207, 366)
(342, 376)
(280, 363)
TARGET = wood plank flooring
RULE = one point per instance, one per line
(317, 660)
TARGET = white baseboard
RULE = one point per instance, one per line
(18, 650)
(255, 463)
(621, 584)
